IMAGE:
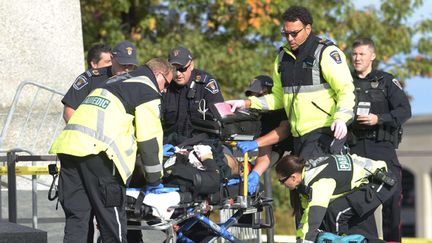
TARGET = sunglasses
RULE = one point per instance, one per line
(293, 34)
(166, 80)
(183, 69)
(282, 180)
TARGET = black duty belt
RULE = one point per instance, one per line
(365, 134)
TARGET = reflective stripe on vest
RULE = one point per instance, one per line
(306, 88)
(144, 80)
(101, 137)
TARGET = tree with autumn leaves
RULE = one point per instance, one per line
(237, 40)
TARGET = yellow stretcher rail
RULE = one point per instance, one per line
(27, 170)
(245, 174)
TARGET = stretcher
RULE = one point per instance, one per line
(180, 215)
(178, 218)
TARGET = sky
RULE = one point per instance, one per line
(419, 88)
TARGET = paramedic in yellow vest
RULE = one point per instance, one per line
(313, 83)
(98, 148)
(336, 193)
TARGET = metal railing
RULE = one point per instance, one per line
(43, 109)
(31, 124)
(12, 158)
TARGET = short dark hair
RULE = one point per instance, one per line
(295, 13)
(364, 41)
(95, 51)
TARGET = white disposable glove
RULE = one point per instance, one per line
(203, 151)
(339, 128)
(195, 161)
(236, 104)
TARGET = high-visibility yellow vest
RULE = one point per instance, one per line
(100, 124)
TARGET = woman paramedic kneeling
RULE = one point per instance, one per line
(335, 193)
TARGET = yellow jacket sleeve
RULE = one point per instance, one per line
(149, 136)
(274, 100)
(315, 209)
(336, 72)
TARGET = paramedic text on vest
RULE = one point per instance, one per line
(98, 149)
(382, 107)
(312, 82)
(189, 95)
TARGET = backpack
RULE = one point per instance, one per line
(226, 125)
(327, 237)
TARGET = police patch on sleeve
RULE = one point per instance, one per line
(212, 87)
(336, 57)
(396, 82)
(80, 82)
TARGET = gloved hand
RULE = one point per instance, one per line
(153, 189)
(339, 128)
(246, 146)
(203, 151)
(236, 104)
(253, 181)
(168, 150)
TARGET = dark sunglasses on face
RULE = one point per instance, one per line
(183, 69)
(282, 180)
(293, 34)
(166, 80)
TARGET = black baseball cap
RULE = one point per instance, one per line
(180, 56)
(259, 84)
(125, 53)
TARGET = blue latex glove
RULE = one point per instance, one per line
(253, 181)
(168, 150)
(153, 189)
(246, 146)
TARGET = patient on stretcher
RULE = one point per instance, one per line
(189, 175)
(194, 185)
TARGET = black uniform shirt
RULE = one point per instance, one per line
(180, 104)
(84, 84)
(271, 120)
(388, 100)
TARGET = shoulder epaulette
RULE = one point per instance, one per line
(88, 73)
(100, 71)
(280, 56)
(92, 73)
(326, 42)
(119, 78)
(201, 77)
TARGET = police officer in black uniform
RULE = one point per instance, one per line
(270, 120)
(99, 56)
(123, 60)
(381, 108)
(189, 95)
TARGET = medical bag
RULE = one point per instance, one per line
(227, 125)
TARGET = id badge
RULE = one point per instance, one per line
(363, 108)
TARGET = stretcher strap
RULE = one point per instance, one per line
(138, 204)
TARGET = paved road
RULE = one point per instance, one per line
(50, 219)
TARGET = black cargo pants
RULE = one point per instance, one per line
(92, 183)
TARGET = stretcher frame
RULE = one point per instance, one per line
(195, 212)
